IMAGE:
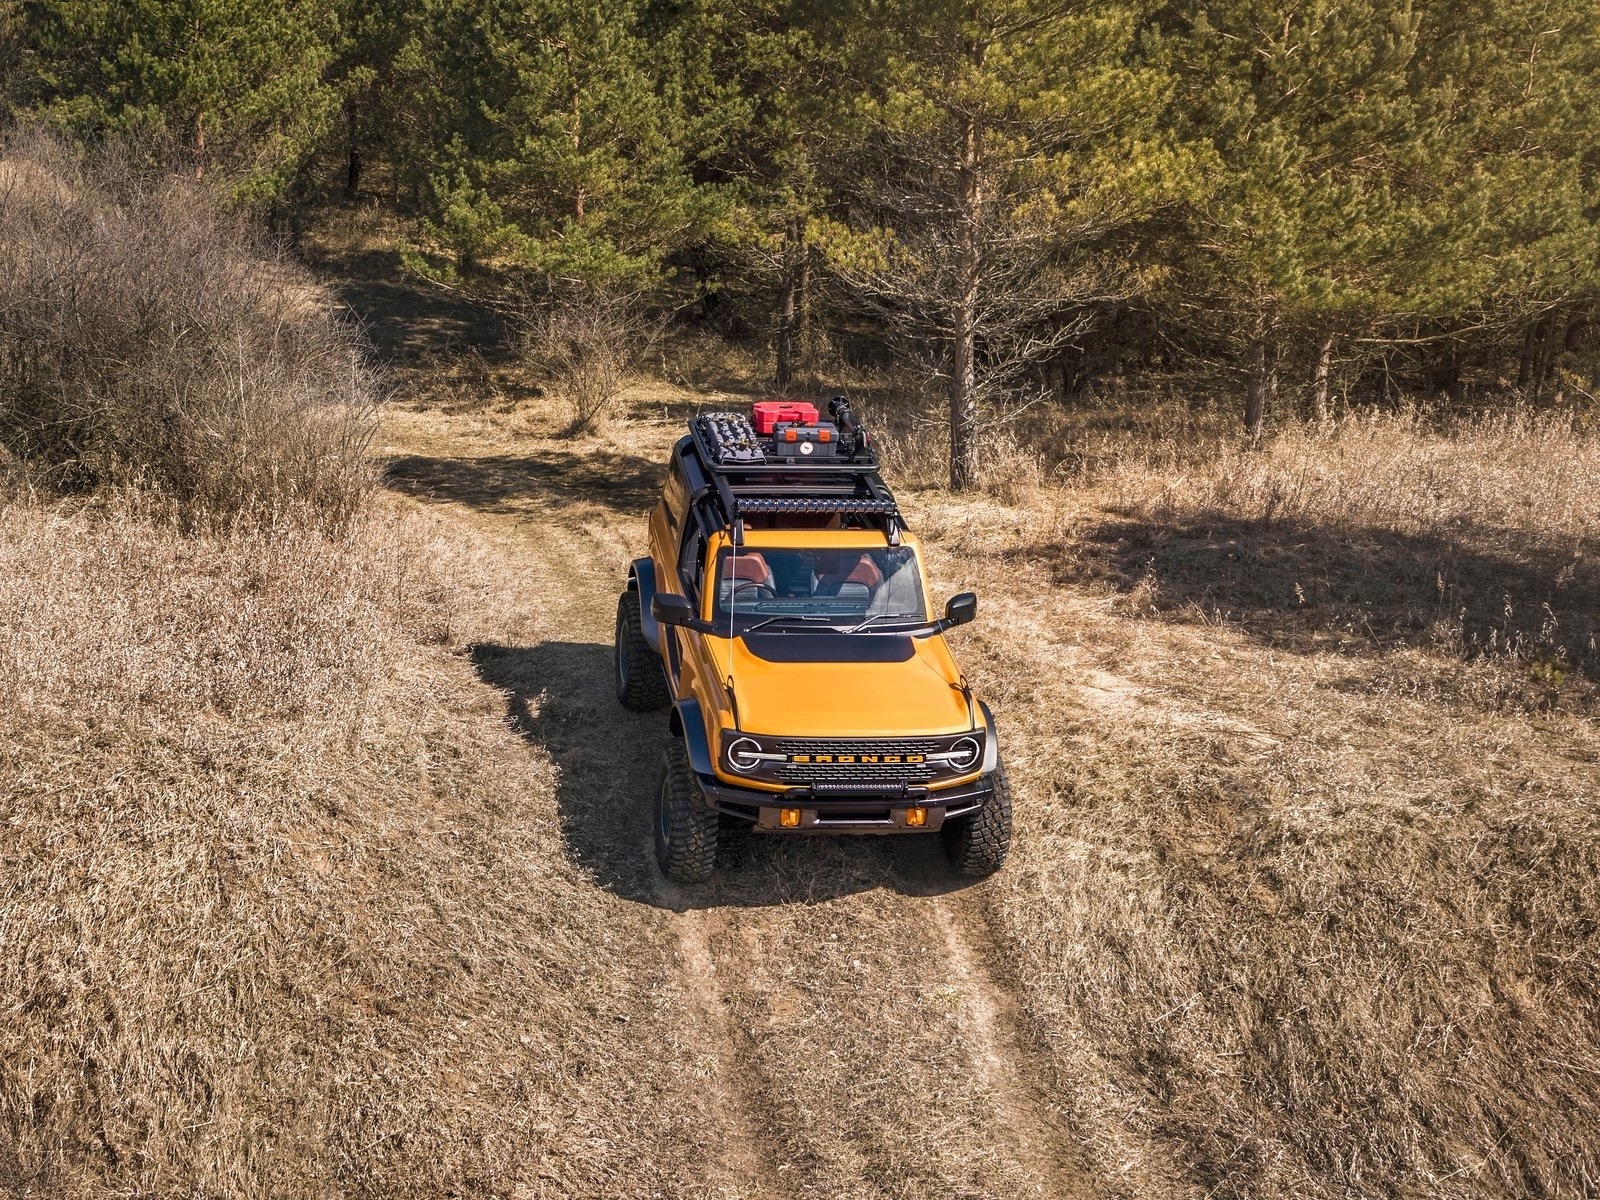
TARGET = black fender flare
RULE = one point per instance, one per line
(991, 743)
(686, 723)
(642, 579)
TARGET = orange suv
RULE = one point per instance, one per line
(784, 615)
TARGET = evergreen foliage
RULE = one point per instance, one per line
(1330, 200)
(243, 84)
(547, 136)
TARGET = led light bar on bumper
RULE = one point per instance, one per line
(797, 762)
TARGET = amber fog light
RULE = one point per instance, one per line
(789, 818)
(916, 817)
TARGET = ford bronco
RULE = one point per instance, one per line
(783, 613)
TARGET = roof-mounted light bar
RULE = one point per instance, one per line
(747, 506)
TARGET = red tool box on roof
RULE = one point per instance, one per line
(766, 414)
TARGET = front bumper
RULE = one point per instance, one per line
(844, 808)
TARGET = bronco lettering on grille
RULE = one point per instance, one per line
(850, 758)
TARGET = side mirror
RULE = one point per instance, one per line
(671, 610)
(961, 609)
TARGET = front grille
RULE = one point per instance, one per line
(855, 772)
(843, 765)
(858, 745)
(858, 772)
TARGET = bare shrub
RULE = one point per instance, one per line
(146, 339)
(584, 345)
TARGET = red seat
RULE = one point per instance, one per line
(751, 566)
(836, 569)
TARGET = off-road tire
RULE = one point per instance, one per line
(977, 845)
(686, 827)
(641, 679)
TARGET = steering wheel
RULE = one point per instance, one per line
(742, 584)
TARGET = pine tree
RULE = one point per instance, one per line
(240, 83)
(775, 76)
(547, 139)
(999, 140)
(1370, 179)
(1521, 81)
(373, 96)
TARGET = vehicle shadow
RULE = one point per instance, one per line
(559, 697)
(501, 482)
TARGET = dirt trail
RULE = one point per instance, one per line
(992, 1037)
(850, 1038)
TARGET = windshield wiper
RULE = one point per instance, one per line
(783, 617)
(880, 617)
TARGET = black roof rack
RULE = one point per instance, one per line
(733, 473)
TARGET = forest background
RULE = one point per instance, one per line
(1308, 207)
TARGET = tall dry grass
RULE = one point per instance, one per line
(282, 904)
(1474, 533)
(1303, 901)
(1517, 472)
(148, 339)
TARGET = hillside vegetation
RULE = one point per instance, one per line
(1310, 208)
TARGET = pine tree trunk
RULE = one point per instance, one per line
(802, 335)
(1319, 381)
(789, 303)
(783, 368)
(576, 132)
(1530, 346)
(1258, 386)
(1548, 342)
(200, 145)
(963, 366)
(1572, 340)
(352, 154)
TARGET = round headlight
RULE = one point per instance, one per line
(964, 754)
(742, 754)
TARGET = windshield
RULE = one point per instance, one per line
(783, 589)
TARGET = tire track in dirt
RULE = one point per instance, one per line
(744, 1158)
(575, 577)
(993, 1024)
(579, 576)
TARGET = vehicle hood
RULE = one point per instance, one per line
(847, 685)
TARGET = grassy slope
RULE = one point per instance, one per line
(1308, 871)
(285, 910)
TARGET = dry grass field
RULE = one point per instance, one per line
(327, 860)
(1306, 891)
